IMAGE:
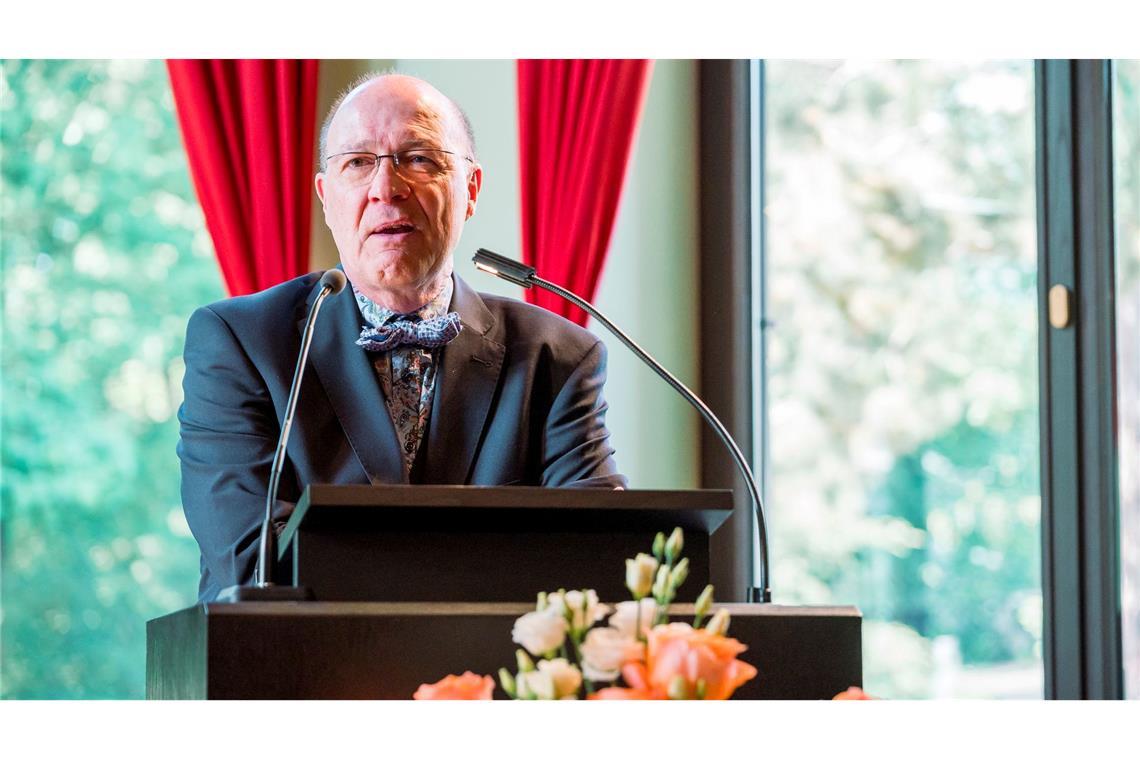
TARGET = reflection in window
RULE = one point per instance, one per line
(902, 365)
(1126, 176)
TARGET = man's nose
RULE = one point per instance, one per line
(387, 184)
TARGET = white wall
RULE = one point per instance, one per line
(649, 285)
(650, 289)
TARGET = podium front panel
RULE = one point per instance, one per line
(340, 650)
(500, 544)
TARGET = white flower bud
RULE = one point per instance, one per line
(674, 545)
(535, 684)
(704, 602)
(639, 573)
(507, 681)
(659, 546)
(662, 582)
(580, 609)
(718, 626)
(679, 573)
(539, 632)
(565, 678)
(630, 614)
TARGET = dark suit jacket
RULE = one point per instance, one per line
(518, 400)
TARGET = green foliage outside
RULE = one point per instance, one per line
(903, 363)
(104, 257)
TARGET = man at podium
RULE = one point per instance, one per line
(413, 377)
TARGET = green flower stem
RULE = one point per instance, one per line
(637, 618)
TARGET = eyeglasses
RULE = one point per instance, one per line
(415, 165)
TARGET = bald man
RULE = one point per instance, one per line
(413, 377)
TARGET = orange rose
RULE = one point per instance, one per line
(853, 692)
(466, 686)
(634, 674)
(618, 692)
(695, 654)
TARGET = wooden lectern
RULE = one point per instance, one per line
(486, 544)
(415, 582)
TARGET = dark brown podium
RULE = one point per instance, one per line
(414, 583)
(487, 544)
(384, 650)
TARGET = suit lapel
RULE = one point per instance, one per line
(346, 373)
(469, 373)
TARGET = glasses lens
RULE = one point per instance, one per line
(421, 163)
(356, 168)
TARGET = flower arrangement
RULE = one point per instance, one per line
(566, 654)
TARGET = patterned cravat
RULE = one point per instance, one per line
(406, 370)
(411, 331)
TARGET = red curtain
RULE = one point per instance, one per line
(577, 122)
(248, 129)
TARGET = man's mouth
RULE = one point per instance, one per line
(399, 227)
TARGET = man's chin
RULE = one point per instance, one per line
(384, 284)
(383, 249)
(392, 264)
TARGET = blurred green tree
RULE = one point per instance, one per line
(104, 256)
(903, 362)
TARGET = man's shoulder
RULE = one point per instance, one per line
(524, 323)
(284, 298)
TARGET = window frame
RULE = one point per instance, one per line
(1080, 527)
(726, 310)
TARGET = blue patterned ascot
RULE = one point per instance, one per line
(424, 333)
(406, 359)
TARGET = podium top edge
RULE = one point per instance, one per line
(514, 506)
(505, 609)
(508, 496)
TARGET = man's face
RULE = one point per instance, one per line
(396, 236)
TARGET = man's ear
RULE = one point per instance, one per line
(474, 185)
(319, 183)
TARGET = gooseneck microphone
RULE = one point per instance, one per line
(521, 274)
(263, 589)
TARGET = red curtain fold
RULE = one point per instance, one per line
(248, 128)
(577, 123)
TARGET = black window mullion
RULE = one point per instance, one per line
(726, 337)
(1080, 533)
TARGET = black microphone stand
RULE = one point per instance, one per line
(521, 274)
(263, 588)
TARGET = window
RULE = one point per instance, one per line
(1126, 192)
(104, 257)
(901, 380)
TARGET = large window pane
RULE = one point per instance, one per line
(902, 364)
(104, 255)
(1126, 174)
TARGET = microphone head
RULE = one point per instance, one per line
(334, 280)
(504, 268)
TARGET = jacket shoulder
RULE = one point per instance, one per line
(529, 324)
(285, 296)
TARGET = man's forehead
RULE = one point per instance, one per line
(402, 113)
(366, 128)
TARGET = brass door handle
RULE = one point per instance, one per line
(1060, 306)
